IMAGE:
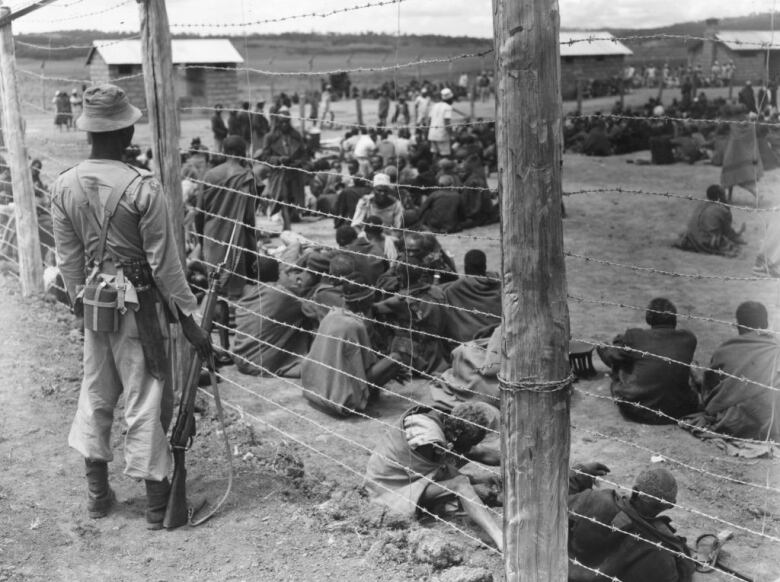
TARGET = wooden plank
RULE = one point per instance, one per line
(535, 424)
(30, 262)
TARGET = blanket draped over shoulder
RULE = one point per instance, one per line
(745, 409)
(741, 161)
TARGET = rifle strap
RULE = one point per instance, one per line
(228, 452)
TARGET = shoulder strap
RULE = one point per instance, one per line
(109, 209)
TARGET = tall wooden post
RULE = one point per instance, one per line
(161, 107)
(534, 369)
(579, 96)
(164, 119)
(29, 244)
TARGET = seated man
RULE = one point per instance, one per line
(328, 293)
(643, 381)
(368, 252)
(418, 309)
(709, 229)
(441, 210)
(475, 292)
(742, 408)
(382, 203)
(603, 521)
(269, 318)
(342, 374)
(415, 466)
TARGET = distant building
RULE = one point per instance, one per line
(754, 52)
(590, 55)
(212, 78)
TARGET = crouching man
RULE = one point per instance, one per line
(623, 536)
(415, 466)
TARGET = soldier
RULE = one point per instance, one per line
(112, 218)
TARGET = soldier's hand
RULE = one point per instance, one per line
(198, 337)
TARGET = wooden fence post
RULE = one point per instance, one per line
(164, 119)
(27, 239)
(161, 107)
(534, 368)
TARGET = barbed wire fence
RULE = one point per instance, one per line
(307, 420)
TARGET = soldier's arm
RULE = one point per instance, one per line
(159, 243)
(70, 248)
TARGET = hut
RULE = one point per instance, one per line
(755, 53)
(204, 70)
(590, 56)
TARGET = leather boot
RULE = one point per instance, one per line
(157, 500)
(100, 496)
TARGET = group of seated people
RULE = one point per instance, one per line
(416, 465)
(415, 469)
(434, 193)
(654, 382)
(347, 320)
(672, 134)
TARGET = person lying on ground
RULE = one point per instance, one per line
(710, 228)
(273, 341)
(475, 299)
(643, 381)
(415, 467)
(602, 523)
(342, 373)
(737, 407)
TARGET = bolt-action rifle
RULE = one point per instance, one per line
(177, 512)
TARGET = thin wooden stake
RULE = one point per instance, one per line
(28, 241)
(534, 415)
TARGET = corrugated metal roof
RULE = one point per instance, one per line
(184, 51)
(749, 40)
(590, 44)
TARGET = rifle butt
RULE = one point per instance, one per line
(177, 513)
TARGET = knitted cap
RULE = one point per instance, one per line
(658, 483)
(318, 262)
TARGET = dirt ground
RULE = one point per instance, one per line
(296, 512)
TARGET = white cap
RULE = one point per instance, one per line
(382, 180)
(446, 93)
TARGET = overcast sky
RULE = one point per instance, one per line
(452, 17)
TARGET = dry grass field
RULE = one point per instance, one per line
(272, 531)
